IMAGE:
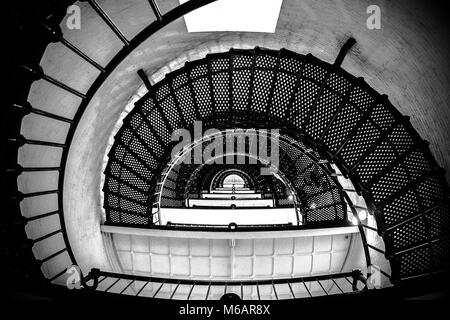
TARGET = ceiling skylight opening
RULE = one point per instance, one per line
(235, 15)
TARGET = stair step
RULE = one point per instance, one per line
(240, 203)
(229, 195)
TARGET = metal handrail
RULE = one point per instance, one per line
(192, 146)
(147, 32)
(357, 284)
(37, 73)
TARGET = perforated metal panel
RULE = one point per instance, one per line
(340, 115)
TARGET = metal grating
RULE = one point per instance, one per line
(338, 114)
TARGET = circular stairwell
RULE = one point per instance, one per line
(332, 112)
(382, 154)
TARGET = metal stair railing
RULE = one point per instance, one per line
(166, 288)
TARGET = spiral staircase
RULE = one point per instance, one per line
(337, 114)
(336, 129)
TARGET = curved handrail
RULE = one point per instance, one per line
(55, 35)
(142, 36)
(187, 149)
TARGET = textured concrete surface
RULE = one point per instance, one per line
(406, 59)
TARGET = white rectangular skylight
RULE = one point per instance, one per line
(235, 15)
